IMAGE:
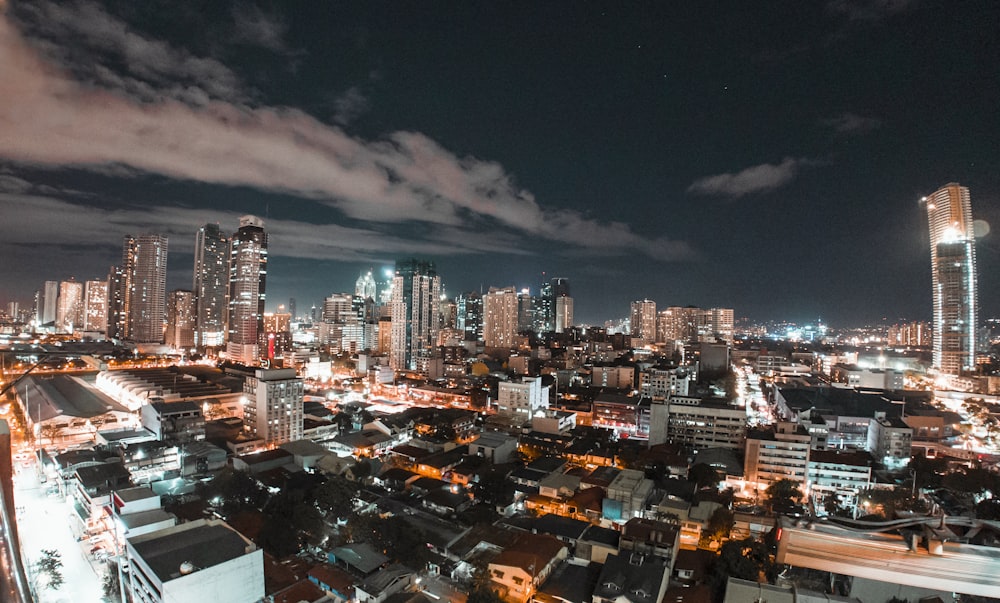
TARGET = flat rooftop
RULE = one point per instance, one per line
(203, 546)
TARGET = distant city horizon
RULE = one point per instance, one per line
(640, 151)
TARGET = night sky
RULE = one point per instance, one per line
(768, 157)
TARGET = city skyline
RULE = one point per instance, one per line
(768, 161)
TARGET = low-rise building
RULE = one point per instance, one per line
(203, 560)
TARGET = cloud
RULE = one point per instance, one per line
(868, 10)
(49, 118)
(349, 106)
(254, 26)
(755, 179)
(851, 123)
(63, 223)
(83, 39)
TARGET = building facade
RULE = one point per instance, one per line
(273, 410)
(643, 319)
(500, 318)
(416, 289)
(211, 285)
(181, 319)
(95, 306)
(953, 278)
(247, 283)
(143, 288)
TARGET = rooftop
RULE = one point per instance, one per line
(203, 544)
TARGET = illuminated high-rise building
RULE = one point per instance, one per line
(211, 284)
(95, 306)
(643, 319)
(469, 310)
(365, 286)
(953, 278)
(273, 408)
(247, 279)
(500, 317)
(141, 296)
(416, 290)
(50, 303)
(69, 313)
(555, 310)
(716, 324)
(181, 308)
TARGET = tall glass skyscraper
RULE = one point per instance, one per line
(953, 276)
(247, 278)
(211, 283)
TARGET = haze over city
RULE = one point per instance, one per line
(720, 155)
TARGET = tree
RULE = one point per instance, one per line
(703, 475)
(236, 491)
(783, 494)
(484, 595)
(111, 583)
(49, 566)
(746, 559)
(335, 497)
(720, 524)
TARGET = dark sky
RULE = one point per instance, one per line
(768, 157)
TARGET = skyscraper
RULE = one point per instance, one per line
(180, 319)
(365, 286)
(643, 319)
(500, 318)
(211, 283)
(416, 288)
(95, 306)
(247, 278)
(69, 315)
(556, 306)
(142, 288)
(50, 300)
(469, 314)
(953, 278)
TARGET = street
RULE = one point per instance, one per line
(43, 522)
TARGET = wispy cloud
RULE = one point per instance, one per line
(59, 222)
(349, 105)
(754, 179)
(84, 40)
(852, 123)
(50, 117)
(868, 10)
(254, 26)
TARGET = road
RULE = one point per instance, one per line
(43, 522)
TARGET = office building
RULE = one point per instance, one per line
(95, 306)
(211, 285)
(416, 289)
(142, 289)
(247, 280)
(69, 312)
(181, 321)
(643, 319)
(953, 278)
(273, 411)
(500, 318)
